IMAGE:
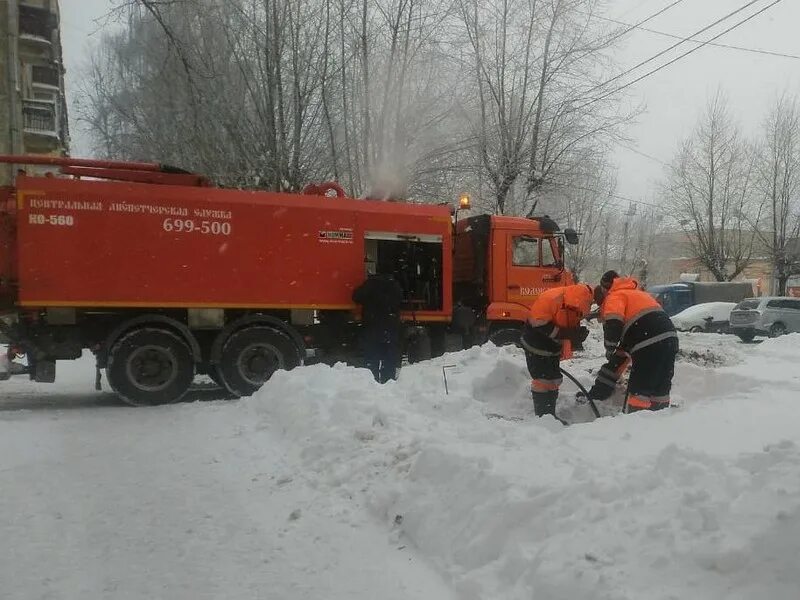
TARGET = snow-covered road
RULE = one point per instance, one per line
(104, 501)
(326, 485)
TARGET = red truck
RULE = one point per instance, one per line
(164, 276)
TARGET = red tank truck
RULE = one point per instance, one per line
(164, 276)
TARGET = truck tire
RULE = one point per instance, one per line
(251, 355)
(150, 366)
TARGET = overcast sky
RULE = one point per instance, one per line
(673, 97)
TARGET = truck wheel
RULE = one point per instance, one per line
(250, 357)
(149, 366)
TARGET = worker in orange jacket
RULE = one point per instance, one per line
(636, 326)
(554, 318)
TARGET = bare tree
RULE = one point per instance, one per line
(418, 99)
(533, 64)
(779, 186)
(584, 205)
(273, 93)
(709, 189)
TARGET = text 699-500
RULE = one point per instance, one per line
(192, 226)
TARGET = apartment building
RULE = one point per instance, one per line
(33, 109)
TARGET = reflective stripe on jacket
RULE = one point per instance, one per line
(632, 318)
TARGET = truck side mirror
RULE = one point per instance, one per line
(571, 235)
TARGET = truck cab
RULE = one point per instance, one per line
(674, 297)
(501, 265)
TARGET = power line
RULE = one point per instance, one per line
(682, 41)
(631, 27)
(687, 53)
(677, 37)
(609, 194)
(644, 154)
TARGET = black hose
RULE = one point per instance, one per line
(583, 389)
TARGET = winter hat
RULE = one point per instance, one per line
(608, 279)
(601, 291)
(600, 295)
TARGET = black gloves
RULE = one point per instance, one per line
(601, 391)
(566, 333)
(578, 334)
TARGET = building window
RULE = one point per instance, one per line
(44, 96)
(39, 117)
(36, 22)
(44, 76)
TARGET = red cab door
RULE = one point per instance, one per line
(531, 265)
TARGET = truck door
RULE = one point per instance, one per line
(531, 266)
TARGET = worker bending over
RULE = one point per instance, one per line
(554, 318)
(635, 326)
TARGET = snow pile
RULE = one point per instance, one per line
(702, 501)
(181, 502)
(710, 349)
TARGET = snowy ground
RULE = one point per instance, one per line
(326, 485)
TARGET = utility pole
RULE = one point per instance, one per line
(624, 256)
(606, 235)
(12, 135)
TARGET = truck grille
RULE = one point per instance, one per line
(739, 318)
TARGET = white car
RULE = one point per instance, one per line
(696, 318)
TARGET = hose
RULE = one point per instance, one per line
(583, 389)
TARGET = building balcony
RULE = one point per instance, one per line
(36, 24)
(45, 76)
(40, 118)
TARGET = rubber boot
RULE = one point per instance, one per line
(544, 403)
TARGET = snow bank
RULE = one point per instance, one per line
(702, 501)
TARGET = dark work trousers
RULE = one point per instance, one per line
(545, 380)
(652, 370)
(381, 352)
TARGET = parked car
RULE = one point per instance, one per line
(769, 316)
(709, 316)
(676, 297)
